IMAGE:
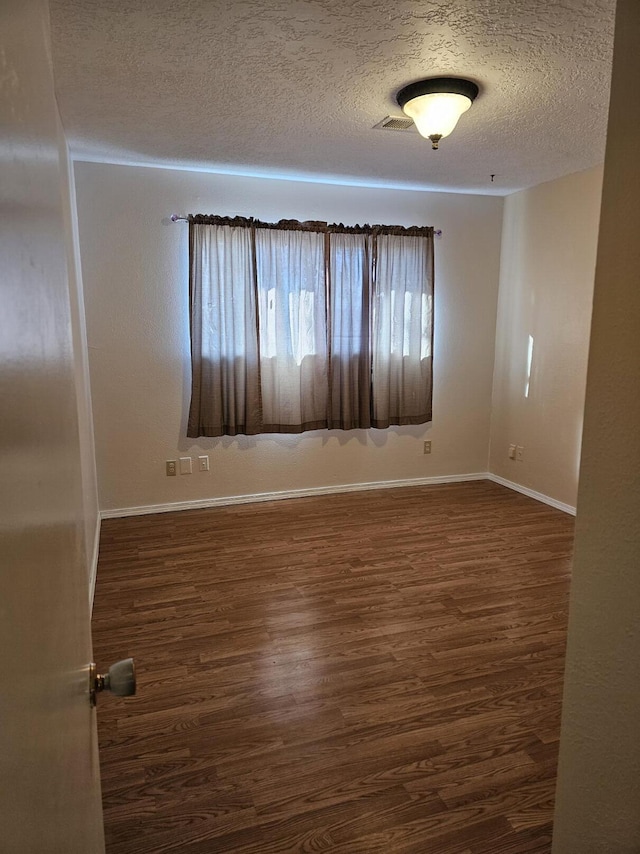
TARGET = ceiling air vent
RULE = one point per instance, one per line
(395, 123)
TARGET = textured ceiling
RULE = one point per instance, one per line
(294, 87)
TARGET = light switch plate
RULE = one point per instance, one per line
(186, 465)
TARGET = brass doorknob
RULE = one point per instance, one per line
(120, 680)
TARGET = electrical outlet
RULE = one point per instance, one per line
(512, 452)
(186, 465)
(520, 453)
(426, 447)
(171, 468)
(203, 463)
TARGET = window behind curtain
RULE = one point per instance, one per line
(300, 326)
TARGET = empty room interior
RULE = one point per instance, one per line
(321, 359)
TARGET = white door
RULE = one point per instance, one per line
(49, 777)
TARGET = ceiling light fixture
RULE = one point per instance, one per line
(436, 104)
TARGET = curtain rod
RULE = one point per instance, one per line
(437, 232)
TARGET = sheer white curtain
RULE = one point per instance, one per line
(225, 395)
(402, 330)
(350, 339)
(293, 329)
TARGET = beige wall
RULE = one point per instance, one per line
(546, 284)
(134, 266)
(598, 795)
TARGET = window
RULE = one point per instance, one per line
(301, 326)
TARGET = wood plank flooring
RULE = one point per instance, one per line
(359, 673)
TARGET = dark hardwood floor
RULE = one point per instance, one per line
(367, 672)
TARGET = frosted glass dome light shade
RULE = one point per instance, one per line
(436, 104)
(437, 113)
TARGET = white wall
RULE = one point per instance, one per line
(598, 794)
(549, 238)
(134, 264)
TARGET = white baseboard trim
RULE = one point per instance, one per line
(228, 500)
(539, 496)
(288, 493)
(93, 562)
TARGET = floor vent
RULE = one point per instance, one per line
(395, 123)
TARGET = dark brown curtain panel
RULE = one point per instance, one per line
(302, 326)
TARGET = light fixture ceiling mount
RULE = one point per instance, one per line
(436, 104)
